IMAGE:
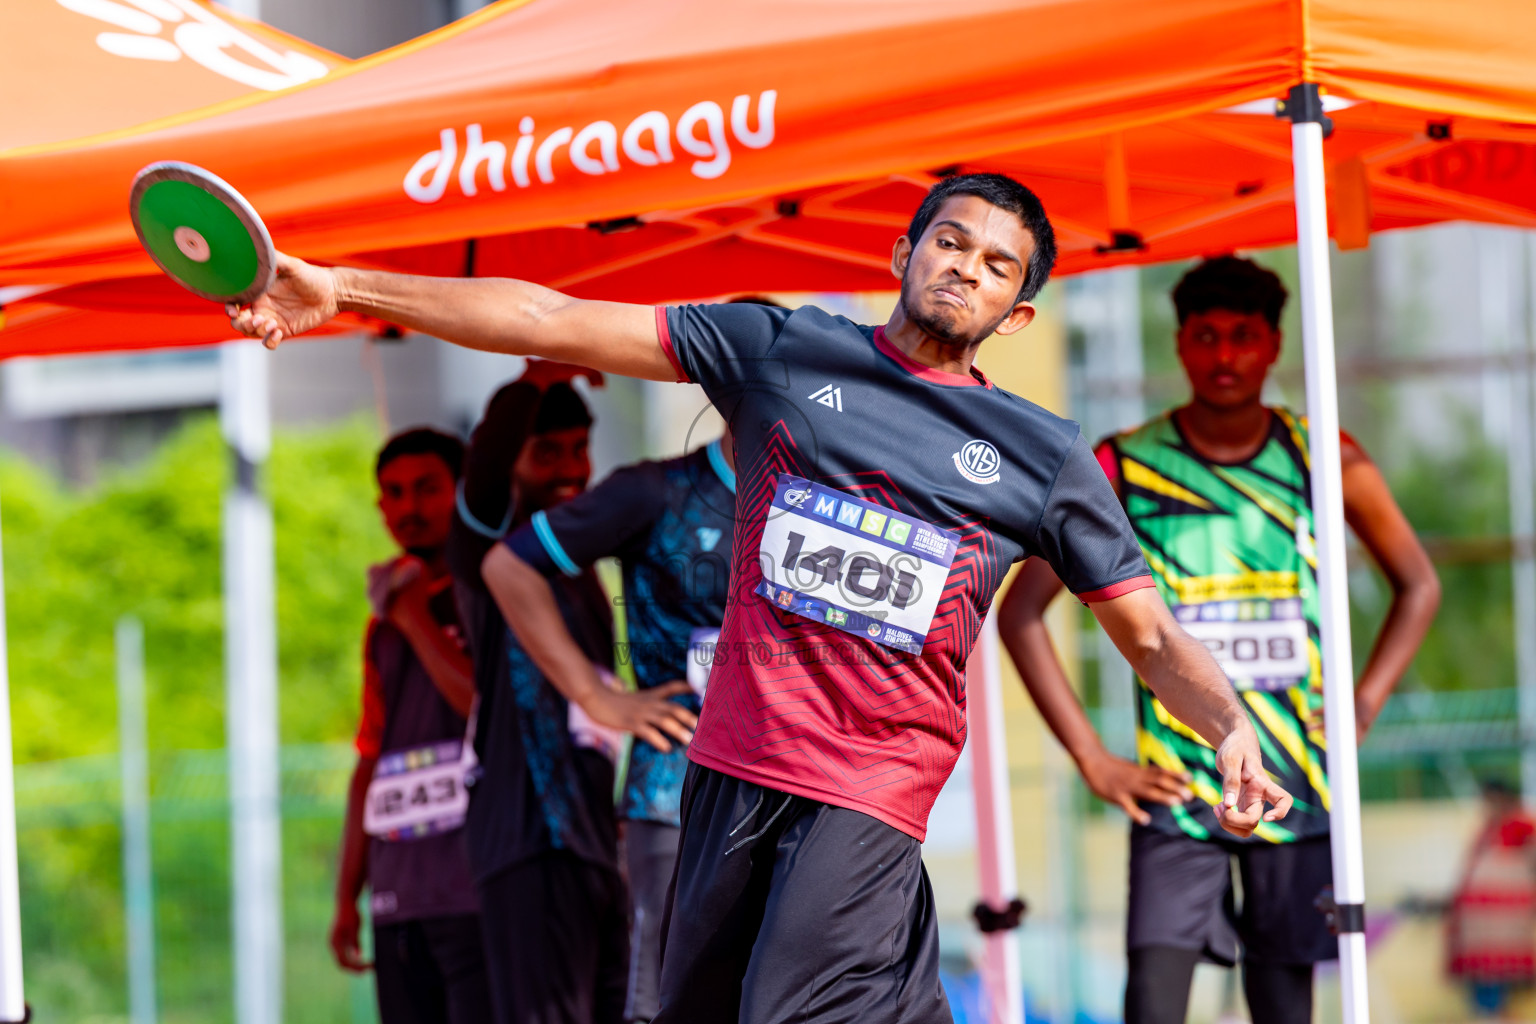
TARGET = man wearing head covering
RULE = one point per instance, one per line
(542, 832)
(671, 525)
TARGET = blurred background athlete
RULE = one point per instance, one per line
(671, 524)
(418, 686)
(542, 835)
(838, 712)
(1219, 493)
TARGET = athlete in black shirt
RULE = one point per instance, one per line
(541, 829)
(671, 524)
(800, 837)
(417, 689)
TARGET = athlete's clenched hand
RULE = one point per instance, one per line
(1245, 786)
(301, 298)
(646, 713)
(1126, 784)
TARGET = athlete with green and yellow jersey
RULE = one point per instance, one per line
(1218, 492)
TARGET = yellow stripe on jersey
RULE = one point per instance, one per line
(1274, 507)
(1295, 431)
(1271, 586)
(1151, 750)
(1167, 720)
(1160, 567)
(1139, 475)
(1284, 730)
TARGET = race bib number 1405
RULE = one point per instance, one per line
(849, 563)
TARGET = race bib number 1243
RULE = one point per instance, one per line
(849, 563)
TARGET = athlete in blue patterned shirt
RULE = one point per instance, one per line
(671, 525)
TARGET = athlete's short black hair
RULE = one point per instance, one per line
(1005, 194)
(561, 407)
(1231, 283)
(422, 441)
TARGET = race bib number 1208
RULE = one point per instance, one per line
(1259, 644)
(849, 563)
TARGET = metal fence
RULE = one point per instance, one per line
(69, 823)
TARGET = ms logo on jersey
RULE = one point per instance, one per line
(829, 396)
(979, 462)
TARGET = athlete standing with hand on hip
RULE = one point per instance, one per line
(884, 487)
(1219, 493)
(671, 524)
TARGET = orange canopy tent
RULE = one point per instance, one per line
(682, 148)
(73, 69)
(77, 68)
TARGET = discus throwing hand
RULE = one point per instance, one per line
(1245, 786)
(301, 298)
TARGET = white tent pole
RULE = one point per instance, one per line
(1001, 972)
(1522, 507)
(138, 866)
(1304, 108)
(13, 1005)
(250, 664)
(250, 656)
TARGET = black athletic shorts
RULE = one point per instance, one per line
(431, 971)
(787, 909)
(1182, 895)
(556, 941)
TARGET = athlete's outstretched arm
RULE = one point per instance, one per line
(494, 314)
(1021, 624)
(528, 604)
(1196, 691)
(1372, 513)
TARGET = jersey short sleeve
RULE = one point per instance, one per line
(1084, 533)
(370, 727)
(571, 536)
(719, 346)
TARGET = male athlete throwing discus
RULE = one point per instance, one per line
(884, 487)
(1219, 494)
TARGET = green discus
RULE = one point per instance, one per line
(202, 232)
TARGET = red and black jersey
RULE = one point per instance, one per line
(807, 707)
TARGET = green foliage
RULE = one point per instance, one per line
(1463, 494)
(147, 542)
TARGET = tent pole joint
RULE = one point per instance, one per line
(1304, 105)
(1342, 918)
(991, 919)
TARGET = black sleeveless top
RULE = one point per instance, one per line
(430, 876)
